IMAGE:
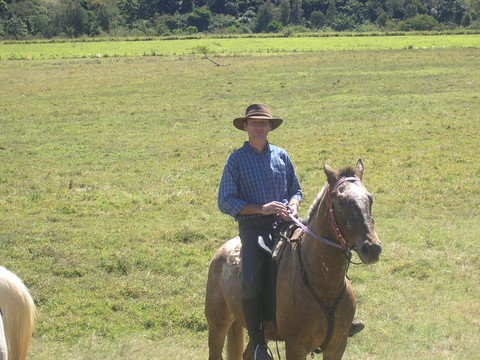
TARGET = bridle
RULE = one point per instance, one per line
(340, 241)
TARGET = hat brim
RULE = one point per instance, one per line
(239, 122)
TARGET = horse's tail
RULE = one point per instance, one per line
(235, 341)
(18, 313)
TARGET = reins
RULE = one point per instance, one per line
(313, 235)
(341, 243)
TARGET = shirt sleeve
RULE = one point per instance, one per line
(228, 201)
(294, 189)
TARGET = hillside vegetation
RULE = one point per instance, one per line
(20, 19)
(109, 174)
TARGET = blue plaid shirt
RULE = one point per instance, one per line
(253, 178)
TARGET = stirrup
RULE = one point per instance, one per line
(268, 352)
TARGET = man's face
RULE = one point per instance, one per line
(257, 128)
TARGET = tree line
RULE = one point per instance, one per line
(21, 19)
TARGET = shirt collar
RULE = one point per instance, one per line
(247, 145)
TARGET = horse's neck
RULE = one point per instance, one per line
(326, 265)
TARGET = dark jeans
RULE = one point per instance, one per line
(254, 258)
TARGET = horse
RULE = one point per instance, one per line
(17, 314)
(315, 303)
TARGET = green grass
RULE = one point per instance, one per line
(110, 167)
(229, 46)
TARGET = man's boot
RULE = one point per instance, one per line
(252, 312)
(356, 327)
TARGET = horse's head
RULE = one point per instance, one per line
(352, 211)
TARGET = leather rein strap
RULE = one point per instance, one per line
(342, 244)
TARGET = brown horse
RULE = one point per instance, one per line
(315, 300)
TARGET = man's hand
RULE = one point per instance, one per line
(275, 208)
(272, 208)
(293, 210)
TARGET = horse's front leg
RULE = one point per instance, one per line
(336, 353)
(295, 351)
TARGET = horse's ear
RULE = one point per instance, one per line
(360, 168)
(332, 175)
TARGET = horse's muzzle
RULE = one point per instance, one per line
(370, 252)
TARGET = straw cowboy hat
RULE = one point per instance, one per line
(257, 111)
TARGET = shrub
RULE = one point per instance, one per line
(274, 26)
(343, 22)
(16, 28)
(317, 19)
(191, 30)
(200, 18)
(419, 23)
(466, 20)
(223, 22)
(382, 18)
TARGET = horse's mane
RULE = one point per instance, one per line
(316, 203)
(344, 172)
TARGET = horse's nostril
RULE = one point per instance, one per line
(365, 249)
(371, 250)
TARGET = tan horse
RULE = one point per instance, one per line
(315, 301)
(17, 313)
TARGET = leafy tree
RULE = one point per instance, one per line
(466, 20)
(41, 25)
(309, 6)
(167, 6)
(186, 6)
(446, 11)
(411, 10)
(103, 17)
(331, 11)
(49, 18)
(168, 23)
(343, 22)
(231, 8)
(129, 10)
(15, 27)
(382, 18)
(395, 8)
(216, 6)
(317, 19)
(221, 22)
(264, 16)
(419, 23)
(3, 7)
(74, 20)
(373, 9)
(296, 12)
(284, 12)
(249, 5)
(274, 26)
(200, 18)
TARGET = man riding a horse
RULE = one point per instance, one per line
(258, 188)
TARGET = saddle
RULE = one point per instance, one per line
(286, 233)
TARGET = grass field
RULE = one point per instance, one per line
(229, 46)
(110, 167)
